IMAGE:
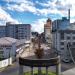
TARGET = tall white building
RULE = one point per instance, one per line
(63, 33)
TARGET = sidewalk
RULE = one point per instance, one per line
(1, 69)
(69, 72)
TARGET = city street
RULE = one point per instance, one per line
(14, 68)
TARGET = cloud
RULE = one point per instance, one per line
(18, 1)
(58, 7)
(30, 7)
(54, 7)
(38, 25)
(5, 17)
(47, 7)
(22, 7)
(46, 4)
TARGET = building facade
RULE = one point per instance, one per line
(7, 47)
(24, 31)
(63, 33)
(17, 31)
(63, 38)
(60, 24)
(2, 31)
(47, 31)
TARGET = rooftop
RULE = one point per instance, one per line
(7, 41)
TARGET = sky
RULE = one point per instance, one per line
(35, 12)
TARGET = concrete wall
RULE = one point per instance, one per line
(5, 62)
(62, 48)
(9, 51)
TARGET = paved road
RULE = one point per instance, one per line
(12, 70)
(69, 72)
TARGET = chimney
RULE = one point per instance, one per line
(69, 14)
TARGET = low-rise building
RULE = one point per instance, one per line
(7, 47)
(10, 47)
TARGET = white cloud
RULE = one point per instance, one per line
(47, 4)
(31, 8)
(5, 17)
(58, 7)
(38, 25)
(49, 7)
(22, 6)
(54, 7)
(19, 1)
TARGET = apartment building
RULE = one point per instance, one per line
(63, 33)
(17, 31)
(24, 31)
(60, 24)
(11, 30)
(63, 38)
(47, 31)
(57, 25)
(2, 31)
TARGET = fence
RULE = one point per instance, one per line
(46, 62)
(5, 62)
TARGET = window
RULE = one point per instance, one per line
(73, 32)
(67, 32)
(8, 48)
(62, 43)
(62, 35)
(73, 37)
(68, 37)
(61, 48)
(1, 52)
(73, 43)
